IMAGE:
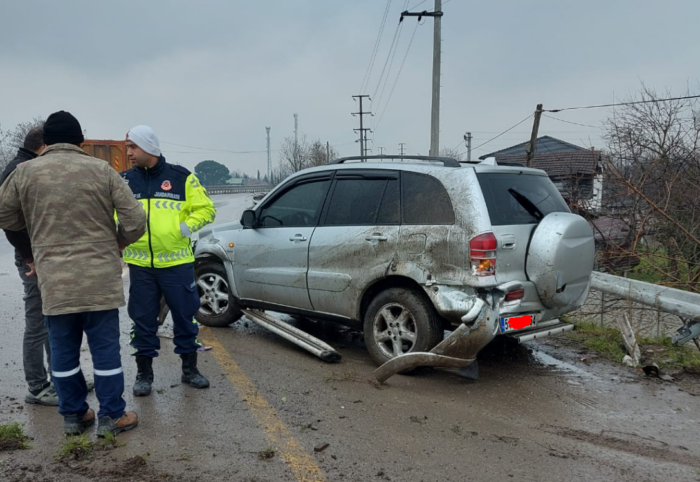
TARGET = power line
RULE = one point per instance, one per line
(504, 132)
(569, 122)
(368, 73)
(394, 42)
(388, 72)
(397, 78)
(650, 101)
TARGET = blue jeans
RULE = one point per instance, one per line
(65, 337)
(178, 286)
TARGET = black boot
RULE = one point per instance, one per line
(144, 377)
(190, 374)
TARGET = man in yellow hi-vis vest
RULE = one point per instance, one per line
(162, 262)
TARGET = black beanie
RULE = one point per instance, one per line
(62, 128)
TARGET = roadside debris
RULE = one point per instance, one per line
(506, 440)
(456, 351)
(321, 447)
(267, 454)
(653, 371)
(300, 338)
(630, 341)
(689, 331)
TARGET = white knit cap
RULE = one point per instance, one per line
(145, 138)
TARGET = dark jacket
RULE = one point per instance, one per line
(176, 205)
(67, 201)
(19, 239)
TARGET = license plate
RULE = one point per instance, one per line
(515, 323)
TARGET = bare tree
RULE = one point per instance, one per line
(652, 185)
(294, 156)
(11, 140)
(320, 155)
(453, 153)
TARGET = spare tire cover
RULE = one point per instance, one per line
(560, 259)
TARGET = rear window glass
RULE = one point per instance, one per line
(504, 208)
(425, 200)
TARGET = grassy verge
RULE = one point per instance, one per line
(76, 448)
(608, 343)
(12, 437)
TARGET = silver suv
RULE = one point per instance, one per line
(404, 251)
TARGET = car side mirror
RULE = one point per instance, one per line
(248, 219)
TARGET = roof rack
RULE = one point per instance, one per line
(446, 161)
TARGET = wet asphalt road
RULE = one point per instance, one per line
(536, 413)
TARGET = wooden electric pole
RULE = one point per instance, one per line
(532, 146)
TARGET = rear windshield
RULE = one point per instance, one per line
(505, 209)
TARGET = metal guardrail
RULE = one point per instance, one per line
(670, 300)
(237, 189)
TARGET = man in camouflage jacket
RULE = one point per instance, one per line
(66, 200)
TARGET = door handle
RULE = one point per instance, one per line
(376, 237)
(298, 237)
(508, 241)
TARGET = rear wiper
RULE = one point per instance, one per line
(529, 206)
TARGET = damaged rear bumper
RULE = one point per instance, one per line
(459, 350)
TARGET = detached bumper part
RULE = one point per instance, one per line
(686, 333)
(300, 338)
(538, 333)
(456, 351)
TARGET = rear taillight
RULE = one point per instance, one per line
(515, 295)
(482, 252)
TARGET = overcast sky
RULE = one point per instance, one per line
(213, 73)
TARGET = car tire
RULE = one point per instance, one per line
(399, 321)
(215, 311)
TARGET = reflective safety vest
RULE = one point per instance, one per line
(176, 205)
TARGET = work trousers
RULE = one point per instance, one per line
(66, 336)
(178, 286)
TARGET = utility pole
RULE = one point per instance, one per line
(437, 51)
(296, 140)
(328, 152)
(269, 157)
(401, 146)
(531, 149)
(362, 130)
(381, 151)
(468, 138)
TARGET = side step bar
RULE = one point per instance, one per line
(300, 338)
(543, 332)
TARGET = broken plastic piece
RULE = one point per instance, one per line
(686, 333)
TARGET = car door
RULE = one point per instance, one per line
(356, 239)
(271, 259)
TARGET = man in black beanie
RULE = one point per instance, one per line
(67, 199)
